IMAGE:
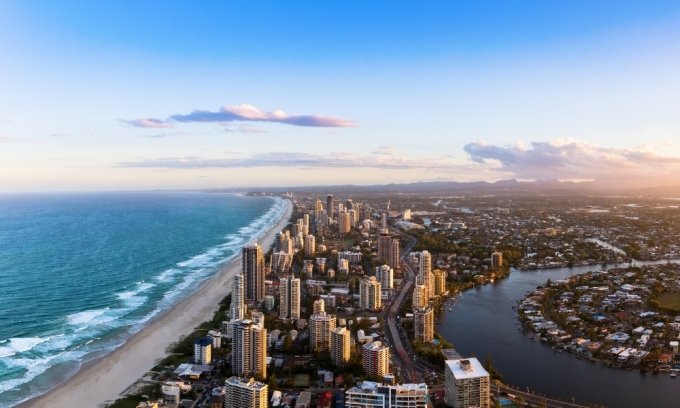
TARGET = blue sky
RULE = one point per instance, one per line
(137, 95)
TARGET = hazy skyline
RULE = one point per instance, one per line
(146, 95)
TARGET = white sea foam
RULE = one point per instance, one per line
(139, 288)
(33, 367)
(18, 345)
(167, 274)
(81, 318)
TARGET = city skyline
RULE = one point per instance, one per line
(132, 96)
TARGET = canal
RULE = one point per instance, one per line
(483, 321)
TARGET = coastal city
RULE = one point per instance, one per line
(339, 204)
(342, 310)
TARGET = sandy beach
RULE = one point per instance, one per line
(103, 380)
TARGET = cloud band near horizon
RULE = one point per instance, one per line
(242, 113)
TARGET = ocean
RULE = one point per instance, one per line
(80, 273)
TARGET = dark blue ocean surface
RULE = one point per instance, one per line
(81, 273)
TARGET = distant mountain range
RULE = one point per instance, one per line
(511, 186)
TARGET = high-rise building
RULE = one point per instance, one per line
(300, 240)
(388, 249)
(385, 276)
(369, 294)
(320, 326)
(423, 323)
(424, 263)
(329, 205)
(319, 306)
(237, 309)
(374, 395)
(318, 207)
(406, 215)
(467, 384)
(289, 291)
(439, 282)
(281, 261)
(394, 254)
(310, 245)
(340, 345)
(203, 351)
(383, 220)
(420, 296)
(344, 222)
(253, 270)
(353, 217)
(376, 358)
(284, 243)
(249, 348)
(384, 246)
(245, 393)
(496, 260)
(425, 275)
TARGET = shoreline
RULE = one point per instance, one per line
(102, 380)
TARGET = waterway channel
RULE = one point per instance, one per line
(483, 321)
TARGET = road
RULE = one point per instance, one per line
(408, 372)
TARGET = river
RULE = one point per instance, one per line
(483, 321)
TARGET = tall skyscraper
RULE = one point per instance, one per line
(289, 290)
(320, 326)
(318, 207)
(253, 270)
(284, 243)
(329, 205)
(420, 296)
(238, 309)
(384, 245)
(245, 393)
(340, 345)
(395, 253)
(281, 261)
(376, 358)
(310, 245)
(388, 249)
(385, 276)
(344, 222)
(467, 384)
(369, 294)
(249, 348)
(439, 282)
(425, 263)
(425, 276)
(423, 323)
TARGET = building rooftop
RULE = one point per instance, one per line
(245, 382)
(375, 346)
(466, 368)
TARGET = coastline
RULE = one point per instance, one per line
(102, 380)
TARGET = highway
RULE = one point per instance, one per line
(408, 372)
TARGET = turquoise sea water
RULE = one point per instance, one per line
(81, 273)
